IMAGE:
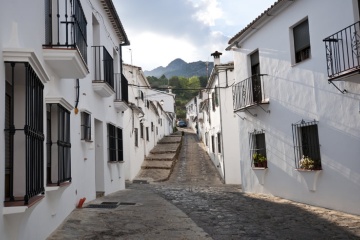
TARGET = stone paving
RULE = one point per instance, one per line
(194, 204)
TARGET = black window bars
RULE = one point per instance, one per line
(249, 92)
(258, 148)
(65, 26)
(342, 51)
(85, 126)
(103, 66)
(121, 87)
(306, 145)
(31, 135)
(115, 144)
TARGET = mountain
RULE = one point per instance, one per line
(179, 67)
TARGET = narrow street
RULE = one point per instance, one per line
(194, 204)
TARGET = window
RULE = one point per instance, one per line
(152, 126)
(213, 101)
(157, 132)
(115, 143)
(24, 126)
(147, 133)
(136, 137)
(141, 130)
(207, 139)
(85, 126)
(216, 96)
(213, 143)
(255, 77)
(301, 41)
(306, 145)
(219, 142)
(258, 149)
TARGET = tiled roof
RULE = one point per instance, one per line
(254, 21)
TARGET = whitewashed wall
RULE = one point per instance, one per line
(17, 31)
(299, 92)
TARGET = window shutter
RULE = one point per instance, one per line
(301, 36)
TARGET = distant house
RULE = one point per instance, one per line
(211, 115)
(297, 96)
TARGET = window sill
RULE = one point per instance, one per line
(19, 206)
(305, 60)
(54, 186)
(310, 177)
(114, 162)
(89, 141)
(307, 170)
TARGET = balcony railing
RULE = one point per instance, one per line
(104, 66)
(249, 92)
(121, 88)
(342, 51)
(65, 26)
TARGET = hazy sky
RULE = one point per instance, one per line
(162, 30)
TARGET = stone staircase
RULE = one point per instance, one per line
(158, 165)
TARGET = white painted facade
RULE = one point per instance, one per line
(212, 112)
(147, 111)
(300, 91)
(93, 170)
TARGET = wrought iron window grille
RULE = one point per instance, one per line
(121, 87)
(257, 145)
(115, 144)
(136, 137)
(306, 145)
(59, 163)
(141, 130)
(249, 92)
(31, 134)
(85, 126)
(103, 66)
(343, 52)
(65, 26)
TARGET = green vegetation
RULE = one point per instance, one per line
(184, 88)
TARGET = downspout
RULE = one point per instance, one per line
(221, 124)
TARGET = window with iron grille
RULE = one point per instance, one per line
(207, 139)
(219, 142)
(141, 130)
(147, 133)
(157, 132)
(115, 143)
(213, 143)
(58, 132)
(301, 41)
(85, 126)
(258, 148)
(152, 126)
(136, 134)
(216, 96)
(306, 145)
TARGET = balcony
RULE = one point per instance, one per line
(122, 93)
(249, 93)
(103, 83)
(343, 53)
(65, 48)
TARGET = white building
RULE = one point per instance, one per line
(218, 121)
(146, 121)
(307, 129)
(67, 112)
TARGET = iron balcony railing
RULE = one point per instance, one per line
(342, 51)
(249, 92)
(65, 25)
(103, 65)
(121, 88)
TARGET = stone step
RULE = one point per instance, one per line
(165, 148)
(160, 156)
(155, 175)
(170, 139)
(157, 164)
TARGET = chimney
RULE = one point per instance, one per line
(216, 55)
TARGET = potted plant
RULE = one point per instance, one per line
(307, 163)
(259, 160)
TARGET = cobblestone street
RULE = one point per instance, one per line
(195, 204)
(225, 212)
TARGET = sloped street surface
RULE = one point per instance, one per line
(194, 204)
